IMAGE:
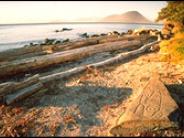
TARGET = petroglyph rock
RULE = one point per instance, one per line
(154, 103)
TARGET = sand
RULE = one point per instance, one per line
(91, 103)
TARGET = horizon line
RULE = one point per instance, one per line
(76, 23)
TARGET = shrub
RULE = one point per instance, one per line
(173, 50)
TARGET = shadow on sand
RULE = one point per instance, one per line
(88, 100)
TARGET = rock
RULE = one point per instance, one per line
(66, 29)
(57, 42)
(152, 107)
(102, 34)
(130, 31)
(57, 31)
(141, 32)
(30, 44)
(154, 32)
(63, 29)
(131, 128)
(49, 41)
(109, 33)
(155, 48)
(116, 33)
(113, 33)
(66, 40)
(95, 35)
(123, 33)
(84, 35)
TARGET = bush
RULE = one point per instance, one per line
(173, 50)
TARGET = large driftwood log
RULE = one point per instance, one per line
(24, 65)
(9, 87)
(122, 56)
(14, 53)
(112, 60)
(47, 49)
(23, 93)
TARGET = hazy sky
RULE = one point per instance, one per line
(51, 11)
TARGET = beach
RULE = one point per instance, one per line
(89, 104)
(86, 94)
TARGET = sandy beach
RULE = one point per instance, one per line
(89, 104)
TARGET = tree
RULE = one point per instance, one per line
(173, 17)
(173, 14)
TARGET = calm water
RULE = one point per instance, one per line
(15, 36)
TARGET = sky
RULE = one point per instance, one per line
(58, 11)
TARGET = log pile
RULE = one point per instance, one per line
(37, 50)
(16, 91)
(33, 63)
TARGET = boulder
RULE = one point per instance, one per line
(153, 108)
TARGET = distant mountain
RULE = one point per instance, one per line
(128, 17)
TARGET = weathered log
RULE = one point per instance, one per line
(112, 60)
(23, 93)
(24, 65)
(31, 51)
(122, 56)
(64, 74)
(9, 87)
(14, 53)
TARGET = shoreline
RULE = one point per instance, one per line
(79, 23)
(50, 33)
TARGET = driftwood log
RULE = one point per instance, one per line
(25, 65)
(23, 93)
(10, 87)
(47, 49)
(112, 60)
